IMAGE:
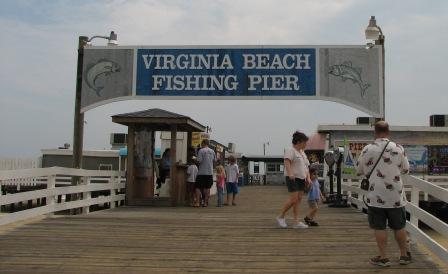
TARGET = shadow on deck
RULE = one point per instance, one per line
(233, 239)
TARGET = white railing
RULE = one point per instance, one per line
(51, 177)
(415, 186)
(19, 163)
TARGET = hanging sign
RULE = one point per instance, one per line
(345, 74)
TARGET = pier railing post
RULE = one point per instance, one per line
(51, 184)
(86, 195)
(112, 181)
(415, 197)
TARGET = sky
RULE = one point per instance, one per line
(39, 54)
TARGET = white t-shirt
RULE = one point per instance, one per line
(386, 186)
(299, 162)
(232, 173)
(206, 157)
(192, 172)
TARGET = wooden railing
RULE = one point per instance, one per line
(56, 180)
(415, 186)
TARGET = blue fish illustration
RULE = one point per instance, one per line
(95, 70)
(347, 71)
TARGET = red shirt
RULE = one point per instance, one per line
(220, 180)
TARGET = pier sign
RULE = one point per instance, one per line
(344, 74)
(226, 72)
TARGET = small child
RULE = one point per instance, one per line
(232, 180)
(192, 172)
(220, 182)
(314, 198)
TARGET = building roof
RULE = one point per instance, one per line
(263, 158)
(89, 153)
(158, 119)
(316, 142)
(152, 113)
(329, 128)
(214, 143)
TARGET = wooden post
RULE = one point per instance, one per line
(130, 164)
(86, 195)
(2, 208)
(173, 168)
(112, 181)
(415, 193)
(153, 163)
(189, 140)
(51, 184)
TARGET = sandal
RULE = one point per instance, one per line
(380, 262)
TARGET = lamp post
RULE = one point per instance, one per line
(78, 124)
(374, 32)
(264, 148)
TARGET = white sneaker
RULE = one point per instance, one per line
(281, 222)
(300, 225)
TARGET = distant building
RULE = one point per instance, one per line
(92, 159)
(426, 147)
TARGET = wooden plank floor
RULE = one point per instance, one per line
(234, 239)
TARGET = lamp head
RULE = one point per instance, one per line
(112, 39)
(372, 31)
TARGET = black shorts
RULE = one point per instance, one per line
(395, 217)
(204, 181)
(296, 185)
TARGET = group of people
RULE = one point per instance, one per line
(382, 163)
(300, 178)
(200, 178)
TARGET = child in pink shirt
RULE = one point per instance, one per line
(220, 183)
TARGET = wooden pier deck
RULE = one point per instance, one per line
(233, 239)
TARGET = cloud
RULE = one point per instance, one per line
(37, 72)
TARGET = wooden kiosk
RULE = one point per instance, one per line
(142, 126)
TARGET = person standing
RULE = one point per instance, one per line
(192, 172)
(297, 177)
(220, 183)
(164, 168)
(315, 197)
(232, 172)
(386, 198)
(204, 181)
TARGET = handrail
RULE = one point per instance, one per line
(31, 195)
(417, 185)
(43, 172)
(428, 187)
(113, 184)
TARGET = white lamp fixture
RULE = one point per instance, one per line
(112, 39)
(373, 32)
